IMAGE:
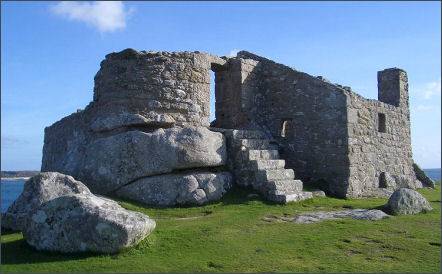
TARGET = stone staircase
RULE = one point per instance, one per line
(256, 163)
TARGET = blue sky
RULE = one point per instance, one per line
(51, 51)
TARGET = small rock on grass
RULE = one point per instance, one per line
(407, 201)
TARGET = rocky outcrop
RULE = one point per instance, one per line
(106, 162)
(38, 190)
(407, 201)
(84, 222)
(422, 177)
(115, 161)
(178, 189)
(149, 117)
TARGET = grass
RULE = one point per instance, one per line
(231, 236)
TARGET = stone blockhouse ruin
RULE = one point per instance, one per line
(146, 135)
(325, 131)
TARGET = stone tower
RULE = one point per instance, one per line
(393, 87)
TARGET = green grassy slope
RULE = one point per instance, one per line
(231, 236)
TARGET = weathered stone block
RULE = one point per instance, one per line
(194, 188)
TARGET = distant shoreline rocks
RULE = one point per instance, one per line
(15, 178)
(21, 174)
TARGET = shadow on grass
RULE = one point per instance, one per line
(19, 252)
(237, 195)
(382, 208)
(8, 231)
(243, 195)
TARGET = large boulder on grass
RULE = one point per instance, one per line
(38, 190)
(407, 201)
(82, 222)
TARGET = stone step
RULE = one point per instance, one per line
(251, 143)
(283, 186)
(274, 175)
(248, 134)
(265, 154)
(293, 197)
(256, 144)
(267, 164)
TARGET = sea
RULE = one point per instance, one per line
(11, 188)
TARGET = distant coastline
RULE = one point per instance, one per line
(15, 178)
(18, 175)
(433, 173)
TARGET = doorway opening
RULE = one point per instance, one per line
(382, 180)
(212, 116)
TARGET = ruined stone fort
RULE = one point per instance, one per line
(146, 136)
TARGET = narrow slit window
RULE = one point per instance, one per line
(382, 127)
(284, 128)
(382, 180)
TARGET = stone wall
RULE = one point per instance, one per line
(171, 87)
(327, 133)
(380, 156)
(313, 112)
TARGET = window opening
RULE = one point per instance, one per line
(284, 128)
(382, 122)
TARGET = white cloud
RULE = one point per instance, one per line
(105, 16)
(431, 89)
(233, 53)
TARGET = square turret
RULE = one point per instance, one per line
(393, 87)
